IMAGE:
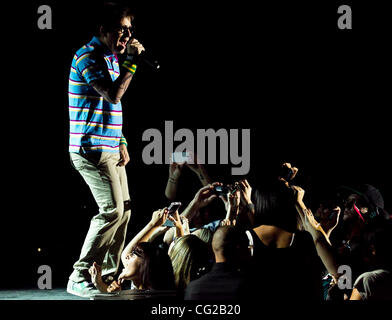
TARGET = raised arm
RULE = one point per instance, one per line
(246, 201)
(232, 203)
(329, 219)
(320, 239)
(176, 219)
(112, 91)
(202, 198)
(175, 170)
(199, 170)
(158, 218)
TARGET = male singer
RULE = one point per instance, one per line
(98, 150)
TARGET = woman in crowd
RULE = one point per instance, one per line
(146, 264)
(191, 258)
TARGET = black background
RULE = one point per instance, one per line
(310, 93)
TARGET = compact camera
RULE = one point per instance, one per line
(225, 190)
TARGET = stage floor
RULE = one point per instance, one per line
(62, 294)
(37, 294)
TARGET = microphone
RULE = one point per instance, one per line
(146, 58)
(152, 63)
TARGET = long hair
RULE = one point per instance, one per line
(189, 257)
(156, 271)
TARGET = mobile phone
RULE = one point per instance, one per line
(174, 206)
(180, 157)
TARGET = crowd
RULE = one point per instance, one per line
(234, 242)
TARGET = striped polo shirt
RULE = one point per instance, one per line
(95, 124)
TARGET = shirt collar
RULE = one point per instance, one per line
(95, 42)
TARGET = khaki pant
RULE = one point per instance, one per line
(106, 236)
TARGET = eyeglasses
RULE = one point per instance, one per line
(123, 29)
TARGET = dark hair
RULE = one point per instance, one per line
(110, 14)
(156, 271)
(275, 206)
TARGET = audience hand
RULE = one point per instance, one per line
(114, 286)
(159, 217)
(228, 222)
(299, 194)
(245, 192)
(309, 222)
(205, 196)
(176, 219)
(199, 169)
(294, 171)
(175, 170)
(330, 221)
(96, 273)
(194, 165)
(96, 277)
(311, 225)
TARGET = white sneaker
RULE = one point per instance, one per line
(82, 289)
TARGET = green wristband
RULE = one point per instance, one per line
(130, 67)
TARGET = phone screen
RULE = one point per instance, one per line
(180, 157)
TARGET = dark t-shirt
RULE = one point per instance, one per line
(292, 273)
(221, 283)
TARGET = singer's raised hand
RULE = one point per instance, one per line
(134, 47)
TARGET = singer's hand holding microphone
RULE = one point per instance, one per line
(134, 47)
